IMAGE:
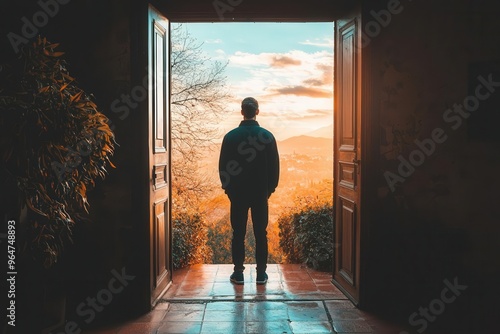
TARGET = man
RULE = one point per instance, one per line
(249, 172)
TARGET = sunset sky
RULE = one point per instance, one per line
(287, 67)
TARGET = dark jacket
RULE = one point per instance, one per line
(249, 160)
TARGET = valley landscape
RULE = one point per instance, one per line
(306, 177)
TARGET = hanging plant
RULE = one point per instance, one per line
(55, 144)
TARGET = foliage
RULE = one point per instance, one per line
(190, 240)
(307, 236)
(199, 99)
(55, 144)
(198, 102)
(219, 241)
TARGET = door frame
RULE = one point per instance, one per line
(197, 11)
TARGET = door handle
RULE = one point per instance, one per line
(356, 161)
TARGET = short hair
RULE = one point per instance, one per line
(249, 107)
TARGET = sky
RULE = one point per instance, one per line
(287, 67)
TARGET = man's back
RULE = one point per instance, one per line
(249, 160)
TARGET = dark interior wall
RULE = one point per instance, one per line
(441, 223)
(96, 38)
(437, 215)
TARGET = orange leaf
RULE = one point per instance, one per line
(64, 87)
(76, 96)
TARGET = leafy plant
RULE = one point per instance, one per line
(55, 143)
(189, 241)
(307, 236)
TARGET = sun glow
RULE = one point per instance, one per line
(287, 67)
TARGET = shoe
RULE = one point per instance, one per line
(261, 278)
(237, 277)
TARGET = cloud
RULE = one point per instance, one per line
(314, 82)
(304, 91)
(319, 112)
(321, 43)
(295, 96)
(327, 73)
(281, 61)
(303, 114)
(214, 41)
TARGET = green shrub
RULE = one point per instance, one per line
(189, 240)
(307, 236)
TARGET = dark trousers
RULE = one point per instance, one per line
(240, 204)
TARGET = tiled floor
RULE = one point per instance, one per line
(295, 300)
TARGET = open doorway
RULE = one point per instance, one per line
(288, 68)
(350, 135)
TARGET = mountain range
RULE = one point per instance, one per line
(324, 132)
(306, 145)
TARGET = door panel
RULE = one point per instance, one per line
(347, 155)
(159, 152)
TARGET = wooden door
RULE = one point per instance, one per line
(347, 154)
(159, 152)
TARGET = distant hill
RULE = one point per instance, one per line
(324, 132)
(306, 145)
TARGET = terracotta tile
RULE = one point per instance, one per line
(338, 304)
(267, 306)
(346, 314)
(306, 311)
(311, 327)
(183, 316)
(329, 287)
(351, 326)
(260, 327)
(222, 307)
(180, 327)
(296, 276)
(180, 307)
(194, 292)
(333, 295)
(190, 286)
(226, 306)
(228, 289)
(223, 327)
(300, 287)
(291, 267)
(272, 268)
(225, 316)
(266, 315)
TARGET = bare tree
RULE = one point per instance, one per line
(199, 97)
